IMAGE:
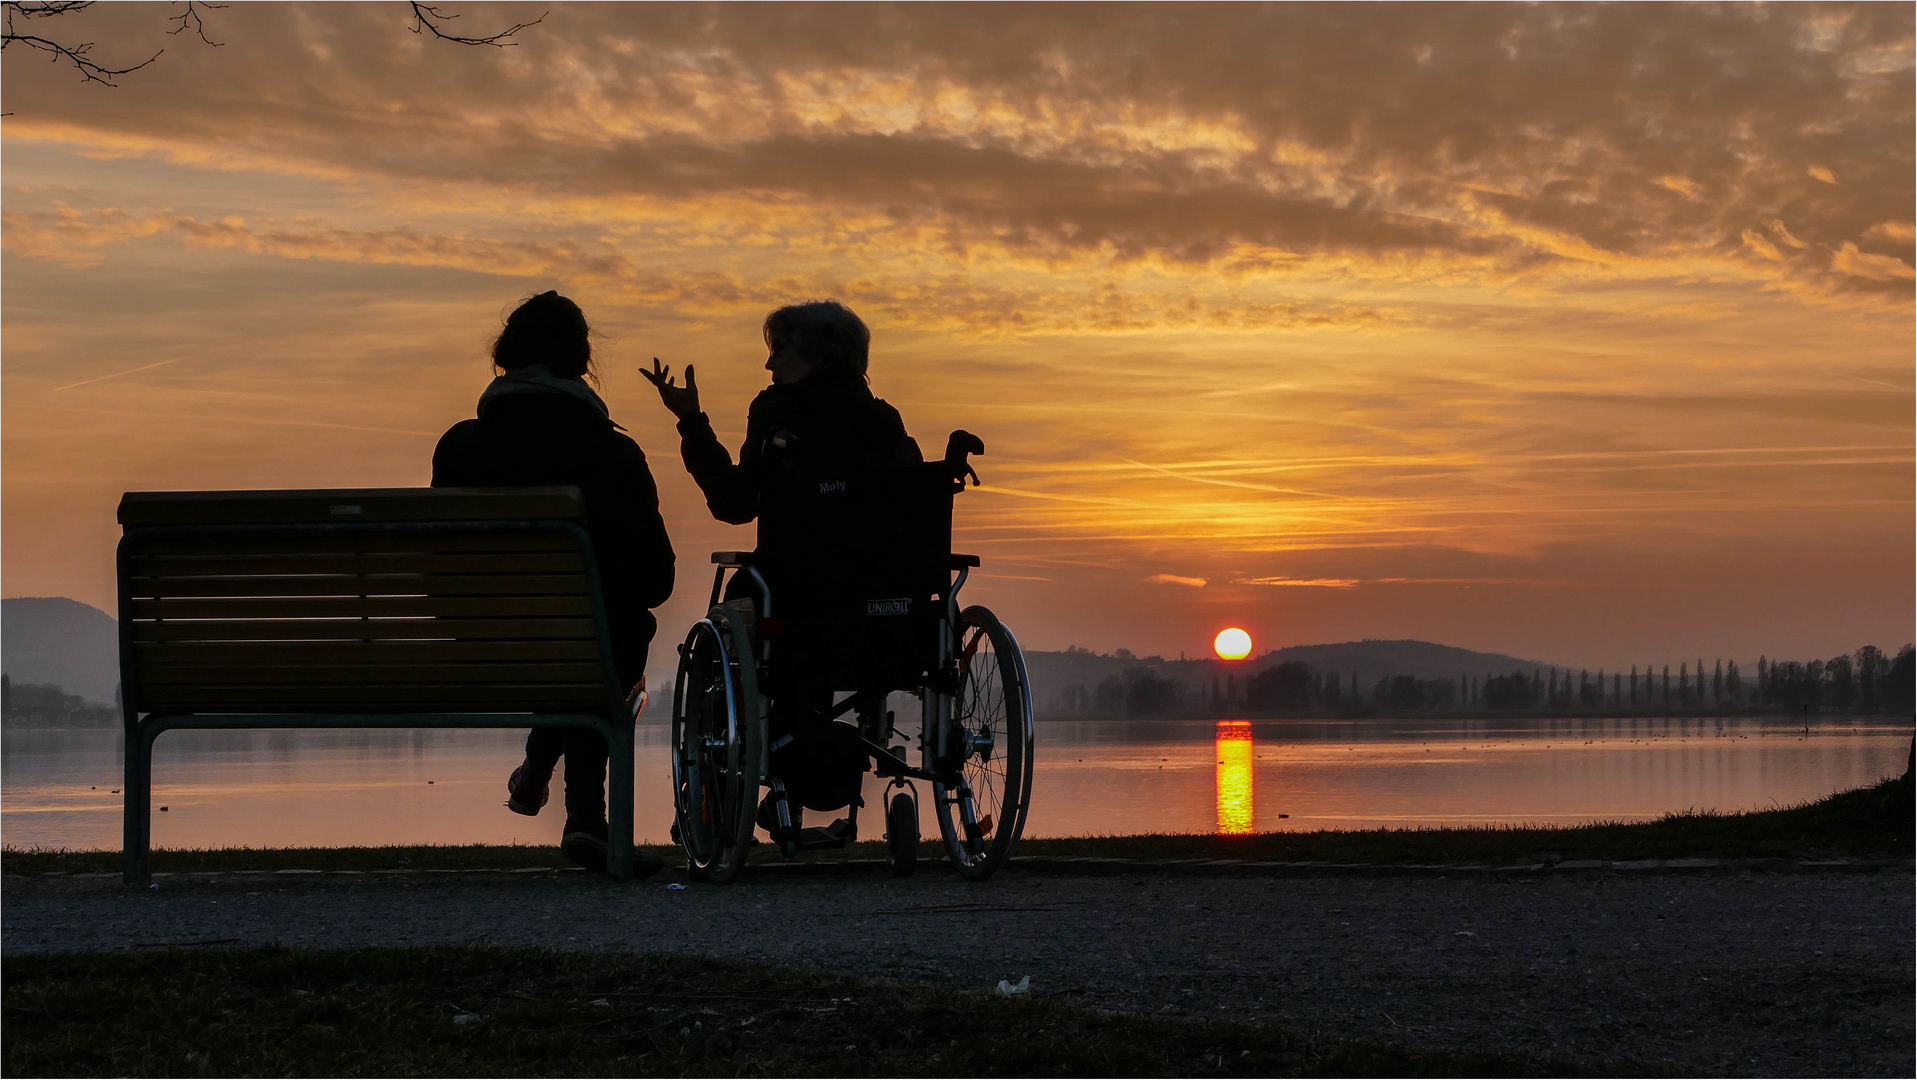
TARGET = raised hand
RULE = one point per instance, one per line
(680, 401)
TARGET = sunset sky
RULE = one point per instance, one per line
(1578, 333)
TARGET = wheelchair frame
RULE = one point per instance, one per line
(721, 757)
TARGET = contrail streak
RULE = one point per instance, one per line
(117, 374)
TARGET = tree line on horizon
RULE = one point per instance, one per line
(1867, 681)
(50, 705)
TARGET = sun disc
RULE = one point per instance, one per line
(1232, 644)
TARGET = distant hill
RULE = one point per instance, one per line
(1052, 672)
(54, 640)
(62, 642)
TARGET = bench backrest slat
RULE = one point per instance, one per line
(417, 600)
(437, 629)
(333, 583)
(310, 505)
(356, 562)
(362, 607)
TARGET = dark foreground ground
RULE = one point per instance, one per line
(1745, 972)
(1739, 974)
(497, 1011)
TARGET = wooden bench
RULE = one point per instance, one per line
(401, 607)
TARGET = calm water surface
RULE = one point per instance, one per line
(328, 788)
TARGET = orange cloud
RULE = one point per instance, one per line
(1037, 139)
(1848, 260)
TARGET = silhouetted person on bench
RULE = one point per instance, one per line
(818, 418)
(539, 424)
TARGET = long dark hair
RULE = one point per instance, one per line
(546, 329)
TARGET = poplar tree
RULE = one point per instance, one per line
(1871, 665)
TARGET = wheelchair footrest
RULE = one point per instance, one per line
(822, 837)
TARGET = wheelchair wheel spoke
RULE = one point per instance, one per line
(988, 788)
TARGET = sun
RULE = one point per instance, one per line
(1232, 644)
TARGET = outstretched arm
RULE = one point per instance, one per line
(732, 491)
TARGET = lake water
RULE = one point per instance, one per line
(329, 788)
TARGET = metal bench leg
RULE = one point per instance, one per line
(619, 799)
(137, 790)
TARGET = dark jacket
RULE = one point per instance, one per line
(531, 439)
(813, 472)
(817, 427)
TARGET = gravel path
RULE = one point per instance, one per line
(1733, 974)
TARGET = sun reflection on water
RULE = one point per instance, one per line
(1234, 777)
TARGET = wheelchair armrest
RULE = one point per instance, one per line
(962, 561)
(732, 558)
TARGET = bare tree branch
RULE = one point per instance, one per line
(90, 69)
(190, 16)
(427, 17)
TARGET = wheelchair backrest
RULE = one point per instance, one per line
(858, 560)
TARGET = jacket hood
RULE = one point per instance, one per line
(539, 379)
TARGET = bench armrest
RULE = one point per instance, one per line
(732, 558)
(963, 560)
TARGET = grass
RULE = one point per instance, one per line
(493, 1011)
(1872, 823)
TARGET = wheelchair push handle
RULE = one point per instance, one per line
(957, 446)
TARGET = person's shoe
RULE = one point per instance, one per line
(522, 797)
(585, 844)
(645, 865)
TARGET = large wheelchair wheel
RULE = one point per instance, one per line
(718, 747)
(985, 779)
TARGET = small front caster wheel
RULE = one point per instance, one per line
(902, 834)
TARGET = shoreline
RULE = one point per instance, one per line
(1869, 823)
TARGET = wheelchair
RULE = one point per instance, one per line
(877, 616)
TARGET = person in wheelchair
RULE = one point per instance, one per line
(811, 437)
